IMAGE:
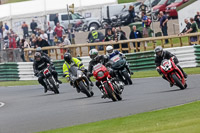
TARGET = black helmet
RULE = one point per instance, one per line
(159, 51)
(39, 49)
(37, 56)
(93, 53)
(68, 57)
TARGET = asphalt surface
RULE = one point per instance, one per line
(27, 109)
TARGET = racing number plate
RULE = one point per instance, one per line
(115, 58)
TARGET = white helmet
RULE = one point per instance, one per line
(92, 28)
(93, 53)
(109, 49)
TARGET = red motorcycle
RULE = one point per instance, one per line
(110, 86)
(172, 73)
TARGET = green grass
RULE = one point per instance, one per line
(179, 119)
(13, 1)
(126, 1)
(140, 74)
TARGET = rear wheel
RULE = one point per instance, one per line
(127, 78)
(178, 82)
(84, 88)
(111, 93)
(55, 87)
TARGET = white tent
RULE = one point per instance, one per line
(44, 7)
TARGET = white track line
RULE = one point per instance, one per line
(1, 104)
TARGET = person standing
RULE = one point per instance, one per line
(187, 27)
(33, 26)
(134, 35)
(12, 41)
(192, 29)
(197, 19)
(143, 7)
(25, 29)
(163, 25)
(56, 20)
(59, 32)
(42, 43)
(50, 34)
(44, 35)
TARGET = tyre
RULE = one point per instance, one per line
(178, 82)
(111, 94)
(127, 78)
(95, 25)
(84, 88)
(55, 87)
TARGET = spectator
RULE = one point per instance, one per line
(144, 25)
(17, 38)
(107, 27)
(1, 38)
(25, 29)
(187, 27)
(5, 37)
(34, 42)
(6, 26)
(197, 19)
(56, 20)
(66, 41)
(23, 44)
(192, 29)
(131, 14)
(1, 30)
(33, 26)
(43, 35)
(143, 7)
(50, 34)
(42, 43)
(12, 41)
(109, 36)
(59, 32)
(134, 35)
(163, 25)
(120, 35)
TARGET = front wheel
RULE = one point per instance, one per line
(55, 87)
(111, 94)
(84, 88)
(178, 82)
(127, 78)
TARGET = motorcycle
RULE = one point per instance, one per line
(119, 65)
(119, 20)
(80, 81)
(173, 73)
(110, 86)
(50, 81)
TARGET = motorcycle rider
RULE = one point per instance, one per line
(69, 61)
(40, 63)
(96, 58)
(111, 53)
(161, 55)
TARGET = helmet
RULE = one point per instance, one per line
(93, 53)
(159, 51)
(109, 49)
(39, 49)
(92, 28)
(37, 56)
(68, 57)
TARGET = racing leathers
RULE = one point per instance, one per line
(38, 66)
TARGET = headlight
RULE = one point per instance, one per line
(173, 8)
(100, 74)
(80, 75)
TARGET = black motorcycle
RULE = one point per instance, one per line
(50, 81)
(79, 80)
(119, 65)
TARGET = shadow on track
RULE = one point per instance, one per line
(78, 98)
(109, 101)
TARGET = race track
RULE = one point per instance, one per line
(27, 109)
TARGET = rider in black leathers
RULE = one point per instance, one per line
(41, 63)
(161, 55)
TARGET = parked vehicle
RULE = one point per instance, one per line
(171, 9)
(80, 81)
(119, 19)
(173, 73)
(110, 86)
(161, 6)
(50, 81)
(74, 18)
(119, 65)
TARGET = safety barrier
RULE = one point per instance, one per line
(197, 53)
(9, 72)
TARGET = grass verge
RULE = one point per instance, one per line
(179, 119)
(126, 1)
(140, 74)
